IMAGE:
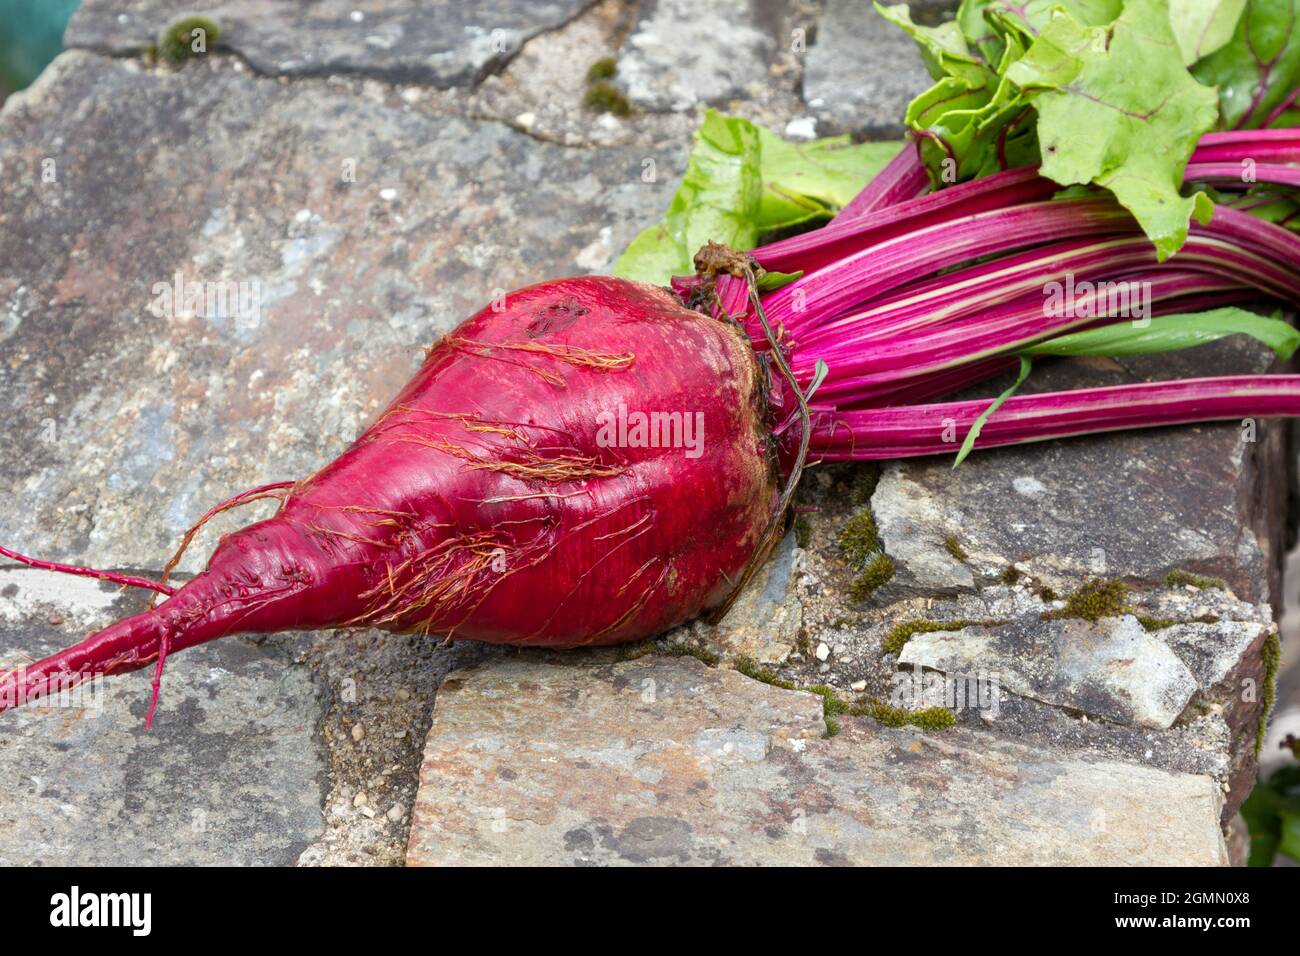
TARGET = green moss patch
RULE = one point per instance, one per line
(1094, 600)
(931, 718)
(1155, 623)
(1271, 654)
(604, 97)
(602, 69)
(877, 573)
(860, 538)
(954, 547)
(176, 42)
(1178, 579)
(861, 544)
(834, 706)
(756, 671)
(898, 636)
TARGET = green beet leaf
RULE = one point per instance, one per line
(978, 425)
(1118, 109)
(743, 181)
(1203, 26)
(1257, 72)
(1170, 333)
(718, 200)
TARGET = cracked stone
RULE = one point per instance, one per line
(1132, 505)
(765, 621)
(1112, 669)
(441, 43)
(712, 768)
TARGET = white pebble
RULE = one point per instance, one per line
(360, 799)
(802, 127)
(823, 651)
(858, 685)
(358, 733)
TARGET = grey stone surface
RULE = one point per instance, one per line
(665, 761)
(1112, 669)
(861, 72)
(682, 53)
(1217, 636)
(439, 42)
(231, 773)
(125, 422)
(916, 526)
(1133, 505)
(766, 621)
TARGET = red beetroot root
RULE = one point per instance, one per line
(484, 503)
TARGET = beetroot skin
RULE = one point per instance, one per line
(495, 499)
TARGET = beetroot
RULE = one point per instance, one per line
(507, 494)
(590, 461)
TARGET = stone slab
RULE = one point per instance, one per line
(1134, 505)
(437, 42)
(232, 772)
(666, 761)
(681, 53)
(861, 72)
(362, 230)
(1112, 668)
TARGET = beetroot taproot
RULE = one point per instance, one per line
(503, 496)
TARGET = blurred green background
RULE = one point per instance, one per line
(31, 34)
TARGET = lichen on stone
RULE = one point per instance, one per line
(954, 547)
